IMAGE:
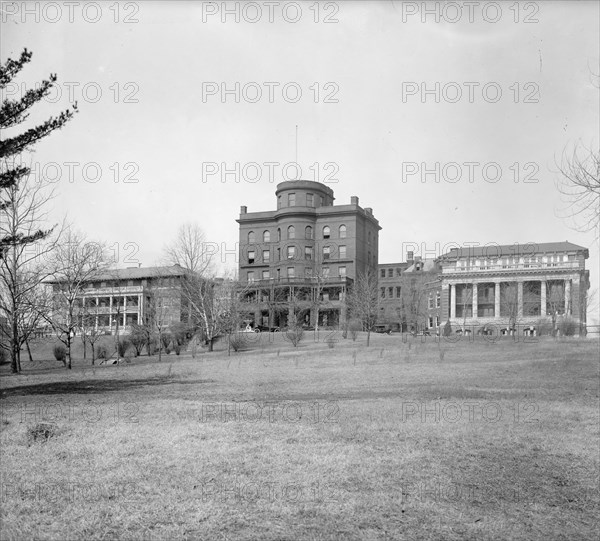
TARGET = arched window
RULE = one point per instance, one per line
(308, 234)
(267, 236)
(278, 234)
(342, 231)
(369, 237)
(326, 232)
(251, 238)
(291, 232)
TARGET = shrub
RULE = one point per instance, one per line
(236, 340)
(331, 342)
(355, 327)
(123, 345)
(3, 356)
(165, 339)
(447, 329)
(101, 351)
(177, 349)
(544, 327)
(567, 326)
(42, 432)
(60, 352)
(138, 339)
(294, 335)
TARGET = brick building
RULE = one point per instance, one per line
(515, 286)
(123, 297)
(512, 288)
(302, 257)
(409, 294)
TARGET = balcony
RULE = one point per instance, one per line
(564, 265)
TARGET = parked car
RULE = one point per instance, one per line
(382, 329)
(264, 328)
(250, 329)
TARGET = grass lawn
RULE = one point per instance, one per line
(494, 441)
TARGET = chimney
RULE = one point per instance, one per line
(410, 257)
(369, 211)
(354, 200)
(243, 209)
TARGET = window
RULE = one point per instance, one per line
(390, 273)
(326, 232)
(291, 232)
(342, 252)
(308, 252)
(383, 273)
(251, 256)
(342, 272)
(307, 272)
(437, 321)
(438, 299)
(291, 200)
(278, 274)
(430, 300)
(369, 237)
(342, 231)
(308, 232)
(278, 201)
(278, 254)
(326, 252)
(430, 322)
(398, 289)
(320, 201)
(383, 292)
(250, 276)
(398, 271)
(251, 237)
(325, 272)
(267, 236)
(291, 252)
(310, 200)
(265, 275)
(290, 272)
(391, 292)
(278, 234)
(266, 256)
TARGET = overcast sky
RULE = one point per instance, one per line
(508, 86)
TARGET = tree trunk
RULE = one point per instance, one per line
(84, 348)
(14, 354)
(368, 337)
(28, 350)
(69, 350)
(210, 344)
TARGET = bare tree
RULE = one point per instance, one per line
(159, 313)
(76, 262)
(363, 300)
(579, 184)
(509, 304)
(23, 265)
(190, 250)
(413, 299)
(90, 331)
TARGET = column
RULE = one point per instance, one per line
(497, 300)
(568, 297)
(519, 299)
(543, 290)
(474, 299)
(452, 301)
(110, 321)
(140, 312)
(257, 317)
